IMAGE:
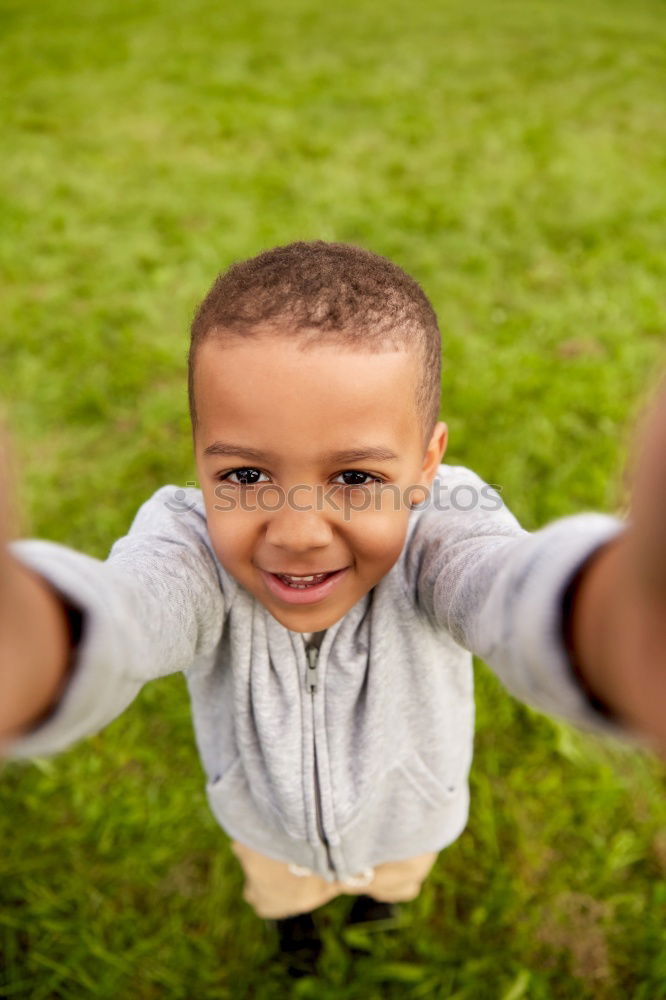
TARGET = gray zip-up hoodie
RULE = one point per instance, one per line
(340, 757)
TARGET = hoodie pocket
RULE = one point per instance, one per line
(407, 798)
(237, 810)
(434, 790)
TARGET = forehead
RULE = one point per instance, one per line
(267, 392)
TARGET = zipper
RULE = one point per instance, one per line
(313, 655)
(311, 682)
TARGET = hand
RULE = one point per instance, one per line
(619, 617)
(34, 633)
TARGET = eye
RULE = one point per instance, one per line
(247, 476)
(354, 477)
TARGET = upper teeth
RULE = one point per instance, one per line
(302, 579)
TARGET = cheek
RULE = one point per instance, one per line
(378, 537)
(230, 537)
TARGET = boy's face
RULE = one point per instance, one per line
(271, 419)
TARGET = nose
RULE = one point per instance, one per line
(298, 526)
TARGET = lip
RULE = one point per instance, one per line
(309, 595)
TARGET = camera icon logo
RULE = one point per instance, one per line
(178, 503)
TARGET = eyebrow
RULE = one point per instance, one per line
(376, 454)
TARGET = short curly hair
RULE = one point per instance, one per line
(326, 293)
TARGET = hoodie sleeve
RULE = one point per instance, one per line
(503, 593)
(154, 605)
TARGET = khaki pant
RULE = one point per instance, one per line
(276, 889)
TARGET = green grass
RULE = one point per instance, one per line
(511, 156)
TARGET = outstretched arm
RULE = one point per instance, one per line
(150, 609)
(572, 617)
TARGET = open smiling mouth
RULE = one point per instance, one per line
(303, 589)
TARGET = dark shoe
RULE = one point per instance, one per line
(366, 910)
(299, 943)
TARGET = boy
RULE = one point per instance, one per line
(322, 590)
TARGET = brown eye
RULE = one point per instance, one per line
(246, 476)
(354, 477)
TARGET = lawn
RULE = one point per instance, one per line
(510, 155)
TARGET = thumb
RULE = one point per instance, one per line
(648, 502)
(9, 519)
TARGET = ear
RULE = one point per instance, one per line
(432, 458)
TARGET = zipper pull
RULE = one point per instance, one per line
(311, 680)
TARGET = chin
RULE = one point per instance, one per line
(315, 624)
